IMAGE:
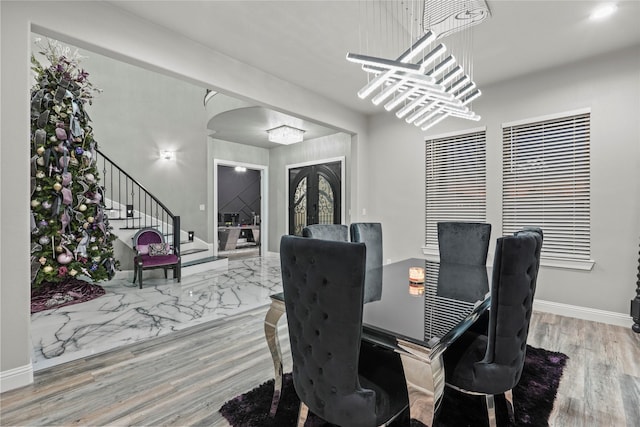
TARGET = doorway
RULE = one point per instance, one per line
(239, 209)
(315, 195)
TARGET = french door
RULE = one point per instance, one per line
(314, 196)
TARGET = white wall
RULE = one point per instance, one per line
(610, 87)
(141, 112)
(101, 28)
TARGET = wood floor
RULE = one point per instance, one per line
(183, 378)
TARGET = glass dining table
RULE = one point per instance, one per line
(417, 309)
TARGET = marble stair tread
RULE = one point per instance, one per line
(192, 251)
(202, 260)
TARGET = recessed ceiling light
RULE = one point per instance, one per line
(603, 11)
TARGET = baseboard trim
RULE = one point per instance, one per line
(584, 313)
(16, 378)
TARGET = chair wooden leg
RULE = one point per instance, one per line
(302, 414)
(165, 272)
(491, 410)
(511, 410)
(140, 276)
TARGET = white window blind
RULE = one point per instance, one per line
(455, 181)
(546, 183)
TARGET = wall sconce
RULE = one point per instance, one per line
(129, 211)
(190, 235)
(168, 155)
(285, 135)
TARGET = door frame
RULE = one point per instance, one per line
(340, 159)
(264, 201)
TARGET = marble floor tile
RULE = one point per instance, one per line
(126, 314)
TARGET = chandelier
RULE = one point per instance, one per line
(423, 85)
(285, 135)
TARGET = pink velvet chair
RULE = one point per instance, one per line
(153, 252)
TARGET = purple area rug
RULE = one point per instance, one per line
(54, 295)
(533, 399)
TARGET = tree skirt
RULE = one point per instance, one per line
(54, 295)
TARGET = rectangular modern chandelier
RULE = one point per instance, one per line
(424, 86)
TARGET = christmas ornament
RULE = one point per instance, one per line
(35, 203)
(47, 269)
(66, 257)
(44, 240)
(82, 207)
(46, 204)
(40, 150)
(40, 175)
(57, 186)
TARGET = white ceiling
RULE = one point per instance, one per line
(306, 41)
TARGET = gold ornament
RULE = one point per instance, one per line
(42, 260)
(35, 203)
(72, 272)
(59, 249)
(40, 150)
(47, 269)
(85, 225)
(90, 219)
(57, 186)
(82, 207)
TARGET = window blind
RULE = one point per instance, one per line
(546, 183)
(455, 181)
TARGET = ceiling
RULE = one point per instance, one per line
(305, 42)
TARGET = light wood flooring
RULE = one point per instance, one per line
(183, 378)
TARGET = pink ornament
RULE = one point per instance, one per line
(61, 133)
(65, 258)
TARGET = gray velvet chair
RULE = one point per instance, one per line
(370, 233)
(337, 232)
(333, 376)
(490, 364)
(464, 242)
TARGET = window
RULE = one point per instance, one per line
(545, 173)
(455, 181)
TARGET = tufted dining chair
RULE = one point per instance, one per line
(370, 233)
(336, 378)
(337, 232)
(464, 242)
(490, 364)
(153, 252)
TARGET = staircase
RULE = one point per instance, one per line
(131, 207)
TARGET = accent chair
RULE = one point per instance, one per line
(337, 232)
(153, 252)
(336, 378)
(464, 242)
(490, 364)
(370, 233)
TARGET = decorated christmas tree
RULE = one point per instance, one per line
(70, 236)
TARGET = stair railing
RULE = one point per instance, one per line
(141, 208)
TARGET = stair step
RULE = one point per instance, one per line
(192, 251)
(202, 260)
